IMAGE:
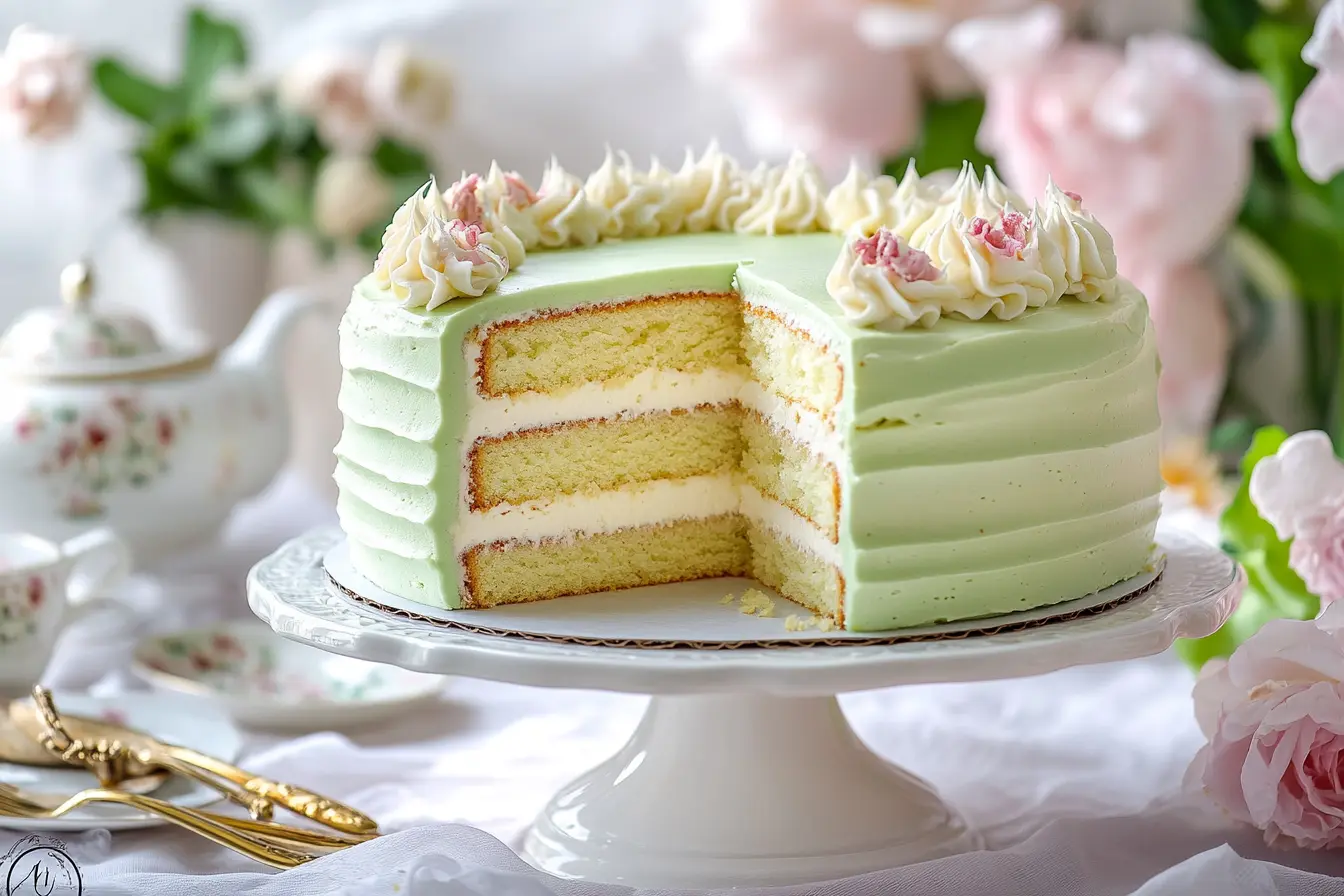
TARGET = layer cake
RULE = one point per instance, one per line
(893, 404)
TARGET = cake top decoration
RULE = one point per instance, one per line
(914, 250)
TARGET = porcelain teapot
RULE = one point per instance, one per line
(101, 423)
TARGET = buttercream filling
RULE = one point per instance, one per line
(653, 391)
(646, 504)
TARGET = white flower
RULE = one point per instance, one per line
(43, 82)
(1318, 118)
(331, 88)
(350, 194)
(1301, 484)
(410, 93)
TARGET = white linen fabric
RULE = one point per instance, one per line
(1074, 777)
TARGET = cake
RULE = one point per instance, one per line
(892, 402)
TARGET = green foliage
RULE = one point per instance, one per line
(244, 157)
(947, 138)
(1273, 590)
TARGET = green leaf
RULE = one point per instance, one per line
(280, 203)
(237, 133)
(1276, 49)
(947, 138)
(399, 160)
(131, 92)
(1231, 435)
(1225, 24)
(1273, 590)
(212, 45)
(193, 170)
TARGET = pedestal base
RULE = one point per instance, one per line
(720, 791)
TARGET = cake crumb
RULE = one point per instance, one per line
(754, 603)
(796, 623)
(824, 623)
(727, 599)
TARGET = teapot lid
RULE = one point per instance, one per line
(78, 340)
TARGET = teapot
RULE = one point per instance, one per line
(101, 423)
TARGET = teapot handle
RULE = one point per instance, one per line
(98, 561)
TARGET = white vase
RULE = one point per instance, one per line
(314, 372)
(222, 269)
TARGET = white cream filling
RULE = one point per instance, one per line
(647, 504)
(652, 391)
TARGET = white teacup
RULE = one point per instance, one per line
(44, 586)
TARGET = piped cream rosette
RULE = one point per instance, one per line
(979, 251)
(977, 254)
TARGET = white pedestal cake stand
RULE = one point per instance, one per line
(743, 770)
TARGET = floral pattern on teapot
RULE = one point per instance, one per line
(89, 452)
(21, 604)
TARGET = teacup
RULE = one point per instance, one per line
(44, 586)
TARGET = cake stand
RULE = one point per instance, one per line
(743, 770)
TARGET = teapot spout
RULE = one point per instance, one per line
(260, 347)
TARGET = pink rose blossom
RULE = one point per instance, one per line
(1158, 135)
(1274, 717)
(1318, 118)
(888, 250)
(518, 193)
(330, 87)
(803, 78)
(43, 83)
(1194, 340)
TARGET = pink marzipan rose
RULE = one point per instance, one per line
(1318, 118)
(1157, 137)
(1193, 341)
(804, 78)
(1274, 717)
(43, 83)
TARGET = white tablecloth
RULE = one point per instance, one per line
(1074, 777)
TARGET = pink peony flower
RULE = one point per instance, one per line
(1318, 119)
(1274, 717)
(804, 78)
(1303, 481)
(1194, 341)
(1158, 136)
(920, 28)
(43, 83)
(1317, 553)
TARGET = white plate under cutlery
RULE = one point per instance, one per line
(168, 717)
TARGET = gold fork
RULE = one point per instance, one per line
(258, 848)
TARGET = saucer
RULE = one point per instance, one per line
(167, 717)
(266, 681)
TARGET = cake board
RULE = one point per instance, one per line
(743, 770)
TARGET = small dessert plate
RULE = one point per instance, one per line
(167, 717)
(266, 681)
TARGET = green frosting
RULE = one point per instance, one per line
(993, 465)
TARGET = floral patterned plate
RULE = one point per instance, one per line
(266, 681)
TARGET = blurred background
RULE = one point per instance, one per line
(201, 155)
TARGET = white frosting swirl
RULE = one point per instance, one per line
(967, 197)
(703, 185)
(563, 213)
(1086, 251)
(447, 260)
(881, 279)
(632, 199)
(996, 264)
(793, 201)
(509, 199)
(913, 203)
(860, 204)
(406, 223)
(746, 189)
(671, 216)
